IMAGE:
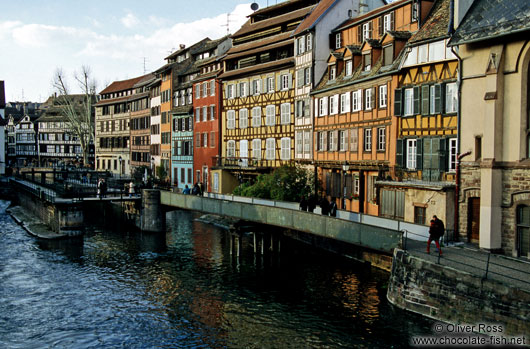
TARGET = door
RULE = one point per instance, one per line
(243, 153)
(473, 226)
(523, 231)
(205, 178)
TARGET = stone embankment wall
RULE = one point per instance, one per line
(44, 211)
(453, 296)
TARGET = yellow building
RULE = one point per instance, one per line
(258, 95)
(494, 191)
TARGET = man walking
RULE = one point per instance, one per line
(436, 231)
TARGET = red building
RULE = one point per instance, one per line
(207, 95)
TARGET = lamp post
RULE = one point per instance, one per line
(345, 168)
(119, 159)
(152, 166)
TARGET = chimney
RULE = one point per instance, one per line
(182, 46)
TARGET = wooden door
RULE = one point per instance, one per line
(473, 226)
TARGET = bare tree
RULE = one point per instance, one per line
(80, 117)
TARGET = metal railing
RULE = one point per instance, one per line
(480, 263)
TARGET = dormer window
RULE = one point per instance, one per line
(337, 41)
(367, 61)
(332, 72)
(349, 67)
(388, 55)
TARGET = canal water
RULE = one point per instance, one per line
(122, 289)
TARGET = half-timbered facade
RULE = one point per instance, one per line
(141, 124)
(113, 116)
(258, 94)
(426, 103)
(26, 141)
(355, 127)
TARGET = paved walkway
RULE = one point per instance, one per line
(508, 270)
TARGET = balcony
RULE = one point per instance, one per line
(246, 163)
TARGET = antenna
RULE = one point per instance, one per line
(227, 25)
(145, 61)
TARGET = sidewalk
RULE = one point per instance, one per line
(514, 272)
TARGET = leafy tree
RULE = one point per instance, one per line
(80, 119)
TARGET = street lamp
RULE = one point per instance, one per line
(119, 159)
(152, 166)
(345, 168)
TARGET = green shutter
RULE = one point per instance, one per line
(416, 100)
(419, 154)
(442, 98)
(399, 153)
(437, 98)
(398, 102)
(443, 155)
(425, 99)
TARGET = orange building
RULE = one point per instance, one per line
(356, 130)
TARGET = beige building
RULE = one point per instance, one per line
(494, 125)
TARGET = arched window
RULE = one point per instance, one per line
(523, 231)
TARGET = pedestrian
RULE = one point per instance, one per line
(324, 206)
(436, 231)
(200, 189)
(195, 189)
(333, 208)
(186, 190)
(303, 203)
(103, 187)
(131, 189)
(99, 188)
(311, 203)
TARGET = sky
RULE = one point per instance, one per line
(116, 39)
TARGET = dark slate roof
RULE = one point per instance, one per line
(437, 24)
(487, 19)
(400, 35)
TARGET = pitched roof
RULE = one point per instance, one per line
(314, 17)
(122, 85)
(437, 24)
(487, 19)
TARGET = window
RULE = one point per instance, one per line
(321, 141)
(256, 148)
(451, 98)
(307, 76)
(190, 95)
(286, 149)
(356, 185)
(368, 100)
(357, 100)
(332, 140)
(212, 139)
(301, 45)
(435, 105)
(332, 72)
(256, 117)
(212, 112)
(284, 78)
(414, 10)
(231, 119)
(478, 148)
(299, 143)
(270, 148)
(382, 96)
(345, 103)
(323, 106)
(388, 55)
(409, 100)
(243, 118)
(354, 140)
(231, 148)
(419, 215)
(204, 113)
(343, 141)
(453, 151)
(270, 112)
(411, 154)
(300, 78)
(256, 86)
(205, 140)
(270, 84)
(333, 105)
(230, 91)
(307, 141)
(309, 42)
(367, 30)
(299, 109)
(198, 91)
(381, 139)
(349, 67)
(205, 91)
(243, 89)
(337, 40)
(367, 139)
(367, 61)
(197, 114)
(215, 185)
(285, 116)
(212, 88)
(388, 22)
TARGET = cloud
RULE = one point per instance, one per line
(130, 20)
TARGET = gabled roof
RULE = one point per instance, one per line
(121, 85)
(437, 24)
(193, 49)
(488, 19)
(315, 16)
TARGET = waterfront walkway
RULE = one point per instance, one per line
(513, 272)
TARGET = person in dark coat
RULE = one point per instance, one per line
(333, 208)
(436, 231)
(303, 203)
(195, 189)
(311, 203)
(324, 206)
(103, 188)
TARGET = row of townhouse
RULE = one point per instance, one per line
(365, 94)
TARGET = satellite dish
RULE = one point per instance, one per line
(254, 6)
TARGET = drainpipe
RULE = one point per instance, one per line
(457, 193)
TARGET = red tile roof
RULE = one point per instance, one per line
(315, 15)
(122, 85)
